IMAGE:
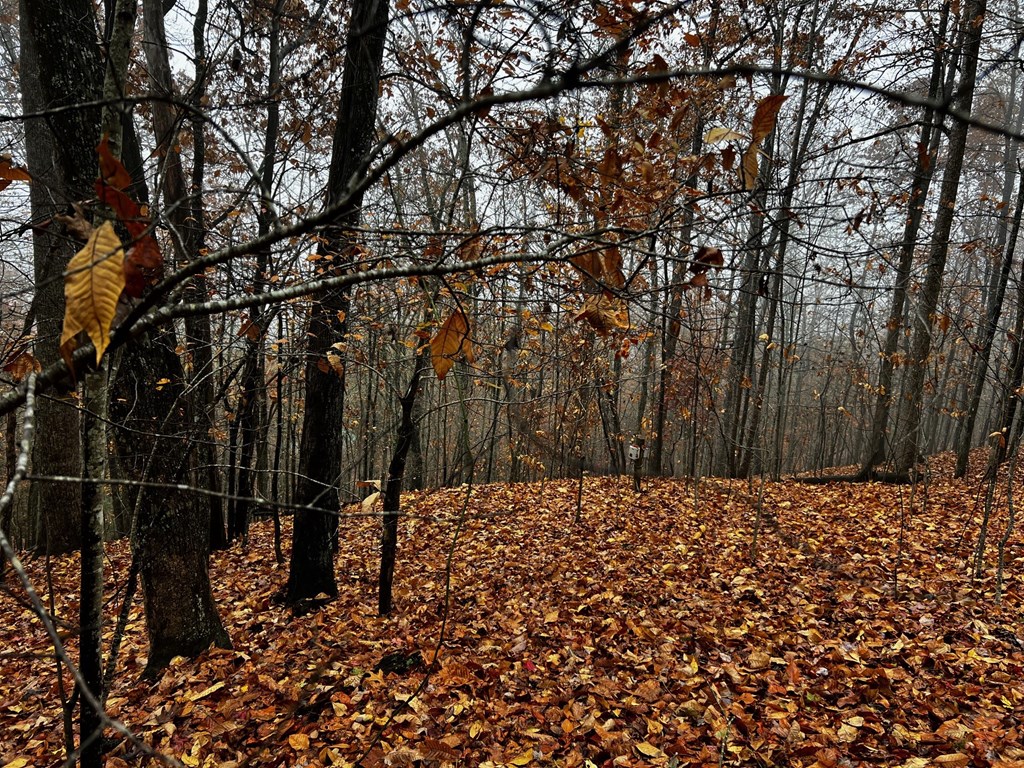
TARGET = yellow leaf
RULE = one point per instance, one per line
(206, 691)
(847, 733)
(718, 135)
(765, 115)
(92, 287)
(523, 759)
(648, 750)
(18, 762)
(474, 729)
(298, 741)
(451, 339)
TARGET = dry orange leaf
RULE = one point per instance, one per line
(718, 135)
(765, 115)
(111, 170)
(451, 339)
(9, 173)
(748, 168)
(605, 313)
(431, 749)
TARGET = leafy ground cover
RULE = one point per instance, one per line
(645, 635)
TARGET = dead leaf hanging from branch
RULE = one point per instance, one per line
(451, 340)
(92, 287)
(765, 115)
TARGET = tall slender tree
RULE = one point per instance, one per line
(311, 570)
(910, 443)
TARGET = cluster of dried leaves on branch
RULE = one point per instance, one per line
(644, 636)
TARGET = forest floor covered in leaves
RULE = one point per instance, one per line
(644, 635)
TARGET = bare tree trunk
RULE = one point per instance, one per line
(197, 330)
(994, 311)
(908, 449)
(311, 571)
(62, 161)
(90, 607)
(10, 459)
(393, 488)
(1016, 377)
(252, 396)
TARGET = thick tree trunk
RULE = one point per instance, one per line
(186, 219)
(156, 441)
(311, 570)
(62, 160)
(170, 536)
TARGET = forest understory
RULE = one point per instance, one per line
(646, 634)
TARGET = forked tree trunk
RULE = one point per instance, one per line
(927, 151)
(1009, 229)
(911, 443)
(393, 487)
(155, 443)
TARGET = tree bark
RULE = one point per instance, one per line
(170, 535)
(10, 457)
(908, 449)
(311, 571)
(927, 151)
(156, 441)
(90, 608)
(197, 330)
(62, 161)
(393, 488)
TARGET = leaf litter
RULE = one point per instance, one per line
(644, 636)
